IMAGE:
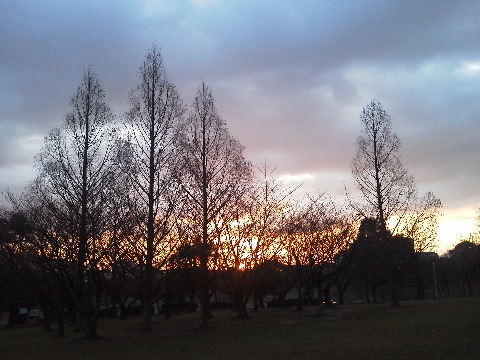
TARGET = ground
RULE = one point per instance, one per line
(445, 329)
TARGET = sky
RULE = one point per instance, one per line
(290, 78)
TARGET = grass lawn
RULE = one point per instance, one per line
(445, 329)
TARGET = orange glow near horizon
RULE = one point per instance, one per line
(455, 226)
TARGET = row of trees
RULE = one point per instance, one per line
(167, 192)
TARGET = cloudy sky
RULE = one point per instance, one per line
(289, 77)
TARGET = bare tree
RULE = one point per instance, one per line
(421, 223)
(119, 245)
(213, 174)
(23, 277)
(319, 231)
(234, 238)
(246, 235)
(270, 203)
(249, 236)
(74, 167)
(388, 189)
(155, 109)
(385, 184)
(51, 239)
(330, 228)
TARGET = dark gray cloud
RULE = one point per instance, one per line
(290, 78)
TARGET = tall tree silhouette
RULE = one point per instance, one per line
(385, 184)
(382, 179)
(74, 166)
(155, 109)
(213, 174)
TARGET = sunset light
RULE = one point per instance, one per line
(169, 166)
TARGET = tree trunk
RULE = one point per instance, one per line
(79, 321)
(469, 285)
(258, 303)
(365, 285)
(47, 319)
(205, 305)
(419, 279)
(298, 270)
(147, 290)
(374, 293)
(341, 300)
(395, 295)
(326, 296)
(281, 303)
(123, 311)
(91, 329)
(205, 296)
(299, 306)
(242, 309)
(446, 285)
(12, 316)
(61, 323)
(168, 307)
